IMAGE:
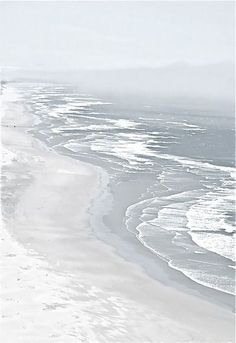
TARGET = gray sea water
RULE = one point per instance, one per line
(175, 171)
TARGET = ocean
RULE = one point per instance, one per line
(171, 171)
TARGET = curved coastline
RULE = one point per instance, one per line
(130, 248)
(94, 270)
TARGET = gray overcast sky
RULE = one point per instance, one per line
(79, 35)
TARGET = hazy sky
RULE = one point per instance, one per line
(79, 35)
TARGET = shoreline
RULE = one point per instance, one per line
(128, 247)
(132, 250)
(113, 289)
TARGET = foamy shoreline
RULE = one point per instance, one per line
(58, 282)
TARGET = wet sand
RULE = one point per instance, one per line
(59, 283)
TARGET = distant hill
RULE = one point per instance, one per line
(214, 81)
(180, 82)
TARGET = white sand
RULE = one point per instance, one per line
(58, 282)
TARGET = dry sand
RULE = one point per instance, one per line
(58, 282)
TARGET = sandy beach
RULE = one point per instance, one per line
(59, 283)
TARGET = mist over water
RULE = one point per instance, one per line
(170, 52)
(203, 87)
